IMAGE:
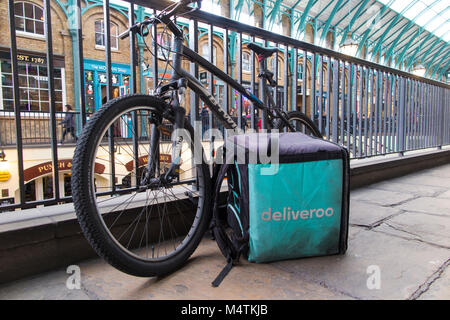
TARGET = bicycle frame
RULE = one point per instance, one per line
(195, 85)
(179, 51)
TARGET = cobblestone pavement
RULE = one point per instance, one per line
(399, 248)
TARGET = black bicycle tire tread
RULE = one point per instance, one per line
(90, 231)
(298, 114)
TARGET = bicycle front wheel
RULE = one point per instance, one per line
(141, 228)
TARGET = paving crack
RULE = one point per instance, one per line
(405, 231)
(378, 222)
(412, 239)
(438, 193)
(403, 202)
(89, 293)
(319, 282)
(425, 286)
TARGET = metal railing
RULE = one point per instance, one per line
(369, 108)
(36, 128)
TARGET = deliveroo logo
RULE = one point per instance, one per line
(288, 214)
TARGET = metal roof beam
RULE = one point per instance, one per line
(430, 49)
(446, 69)
(404, 29)
(336, 9)
(417, 49)
(436, 53)
(422, 28)
(325, 8)
(406, 26)
(362, 5)
(296, 4)
(388, 29)
(379, 14)
(372, 24)
(273, 14)
(432, 61)
(302, 22)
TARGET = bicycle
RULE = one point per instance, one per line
(151, 222)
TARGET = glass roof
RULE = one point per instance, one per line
(432, 15)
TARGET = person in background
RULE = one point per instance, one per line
(68, 123)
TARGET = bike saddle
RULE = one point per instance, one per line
(261, 51)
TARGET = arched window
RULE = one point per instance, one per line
(246, 67)
(272, 66)
(205, 52)
(100, 35)
(29, 18)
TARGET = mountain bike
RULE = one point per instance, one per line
(141, 197)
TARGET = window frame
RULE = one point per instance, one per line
(24, 32)
(114, 36)
(37, 88)
(249, 69)
(206, 55)
(272, 66)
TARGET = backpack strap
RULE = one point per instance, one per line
(226, 246)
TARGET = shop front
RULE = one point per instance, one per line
(95, 82)
(33, 81)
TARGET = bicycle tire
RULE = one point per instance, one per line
(303, 120)
(91, 219)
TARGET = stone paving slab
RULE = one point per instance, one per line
(193, 281)
(245, 281)
(426, 180)
(441, 171)
(368, 214)
(380, 197)
(403, 265)
(415, 189)
(439, 289)
(445, 195)
(419, 226)
(399, 228)
(438, 206)
(48, 286)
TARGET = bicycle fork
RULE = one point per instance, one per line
(153, 178)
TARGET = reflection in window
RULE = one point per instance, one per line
(205, 53)
(246, 62)
(67, 185)
(47, 185)
(33, 87)
(100, 35)
(30, 191)
(164, 41)
(29, 18)
(272, 66)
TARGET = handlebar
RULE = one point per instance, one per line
(163, 16)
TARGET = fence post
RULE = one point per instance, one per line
(401, 124)
(441, 117)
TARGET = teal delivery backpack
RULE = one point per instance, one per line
(288, 198)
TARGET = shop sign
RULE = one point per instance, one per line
(47, 167)
(143, 160)
(31, 59)
(102, 68)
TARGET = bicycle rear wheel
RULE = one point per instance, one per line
(141, 228)
(301, 123)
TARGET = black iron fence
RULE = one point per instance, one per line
(369, 108)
